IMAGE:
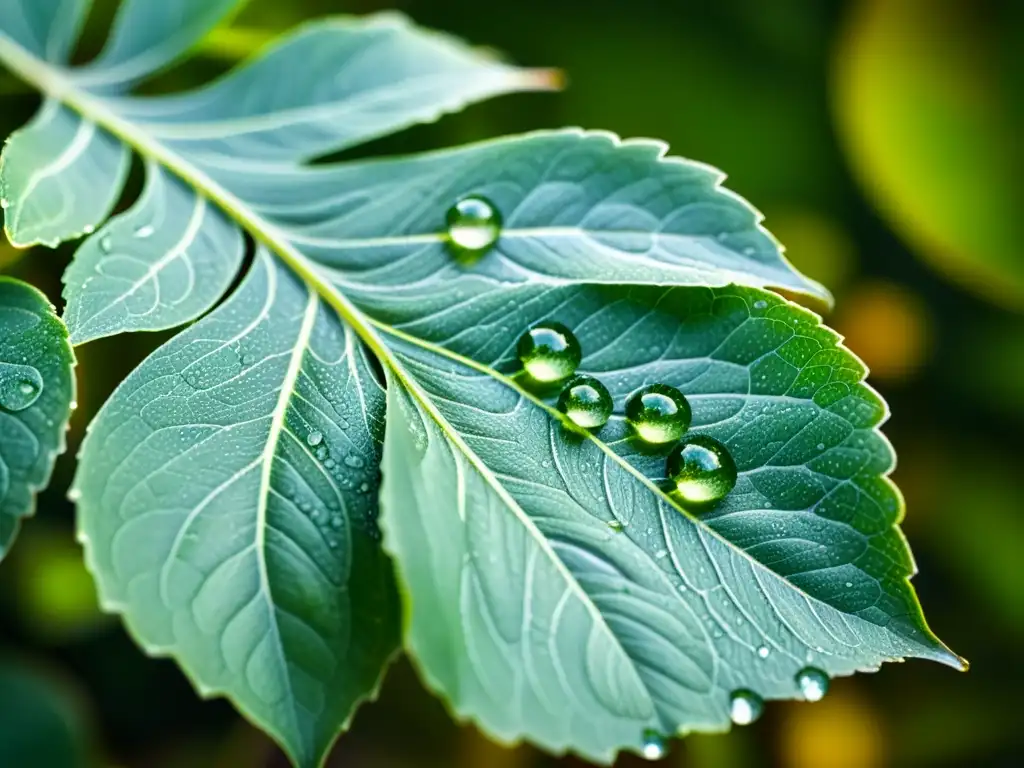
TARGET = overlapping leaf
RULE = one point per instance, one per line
(37, 389)
(215, 481)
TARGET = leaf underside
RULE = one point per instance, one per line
(229, 491)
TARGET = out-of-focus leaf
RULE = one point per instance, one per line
(920, 107)
(40, 723)
(37, 389)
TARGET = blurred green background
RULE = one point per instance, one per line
(882, 139)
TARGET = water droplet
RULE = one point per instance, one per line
(763, 651)
(88, 229)
(820, 446)
(4, 203)
(106, 244)
(813, 683)
(586, 401)
(760, 304)
(749, 251)
(20, 386)
(701, 469)
(74, 495)
(654, 745)
(354, 461)
(143, 231)
(336, 521)
(745, 707)
(248, 360)
(659, 413)
(364, 487)
(473, 225)
(330, 463)
(314, 438)
(549, 352)
(616, 526)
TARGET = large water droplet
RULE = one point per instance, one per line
(745, 707)
(701, 469)
(314, 438)
(586, 401)
(659, 413)
(20, 386)
(106, 243)
(473, 225)
(354, 461)
(654, 745)
(549, 352)
(813, 683)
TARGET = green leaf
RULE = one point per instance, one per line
(61, 177)
(925, 112)
(40, 721)
(46, 28)
(160, 264)
(148, 36)
(559, 593)
(199, 479)
(37, 390)
(241, 459)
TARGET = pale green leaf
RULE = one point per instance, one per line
(579, 605)
(227, 501)
(327, 86)
(199, 479)
(37, 389)
(60, 177)
(577, 206)
(160, 264)
(147, 36)
(46, 28)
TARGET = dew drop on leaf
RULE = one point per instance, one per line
(20, 386)
(745, 707)
(813, 683)
(763, 651)
(654, 745)
(549, 352)
(106, 244)
(314, 438)
(144, 230)
(701, 470)
(473, 225)
(354, 461)
(658, 413)
(586, 401)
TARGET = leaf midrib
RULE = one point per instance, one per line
(52, 82)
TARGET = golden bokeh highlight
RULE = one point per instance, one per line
(840, 731)
(888, 327)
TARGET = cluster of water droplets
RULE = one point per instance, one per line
(700, 468)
